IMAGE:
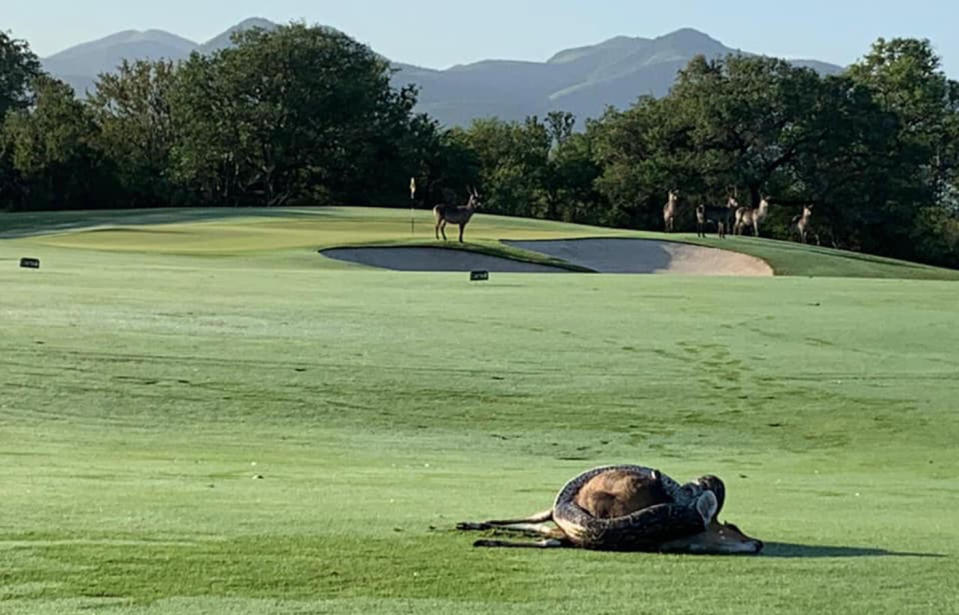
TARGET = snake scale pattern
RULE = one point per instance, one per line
(645, 529)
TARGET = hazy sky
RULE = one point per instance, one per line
(440, 33)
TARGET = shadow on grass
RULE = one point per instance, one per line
(789, 550)
(28, 224)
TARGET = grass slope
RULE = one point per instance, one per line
(217, 232)
(141, 393)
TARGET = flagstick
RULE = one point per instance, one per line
(412, 201)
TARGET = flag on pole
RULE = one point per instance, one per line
(412, 200)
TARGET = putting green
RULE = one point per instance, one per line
(239, 232)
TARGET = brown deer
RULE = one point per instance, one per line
(751, 216)
(457, 215)
(803, 223)
(670, 210)
(630, 508)
(722, 216)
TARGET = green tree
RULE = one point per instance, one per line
(570, 182)
(761, 125)
(298, 113)
(846, 172)
(53, 147)
(560, 125)
(513, 159)
(753, 115)
(905, 79)
(644, 152)
(18, 68)
(449, 166)
(132, 110)
(567, 183)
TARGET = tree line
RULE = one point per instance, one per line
(306, 115)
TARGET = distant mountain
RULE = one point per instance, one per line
(80, 65)
(222, 41)
(583, 80)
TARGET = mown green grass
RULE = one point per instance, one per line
(232, 232)
(794, 259)
(138, 389)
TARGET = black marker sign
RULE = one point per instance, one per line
(30, 263)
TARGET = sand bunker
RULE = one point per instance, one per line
(434, 259)
(601, 255)
(648, 256)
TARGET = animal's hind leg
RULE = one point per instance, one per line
(443, 229)
(526, 529)
(537, 519)
(535, 526)
(549, 543)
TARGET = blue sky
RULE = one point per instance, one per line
(441, 33)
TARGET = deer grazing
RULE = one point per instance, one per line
(457, 215)
(670, 210)
(751, 216)
(630, 508)
(803, 223)
(722, 216)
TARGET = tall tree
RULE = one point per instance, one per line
(570, 181)
(513, 159)
(646, 151)
(449, 166)
(906, 80)
(560, 125)
(846, 171)
(754, 114)
(132, 109)
(18, 68)
(295, 113)
(53, 147)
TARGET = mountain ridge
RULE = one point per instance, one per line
(584, 80)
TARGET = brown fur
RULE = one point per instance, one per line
(724, 538)
(751, 217)
(803, 222)
(460, 216)
(617, 493)
(670, 210)
(722, 216)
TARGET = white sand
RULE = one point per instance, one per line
(648, 256)
(601, 255)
